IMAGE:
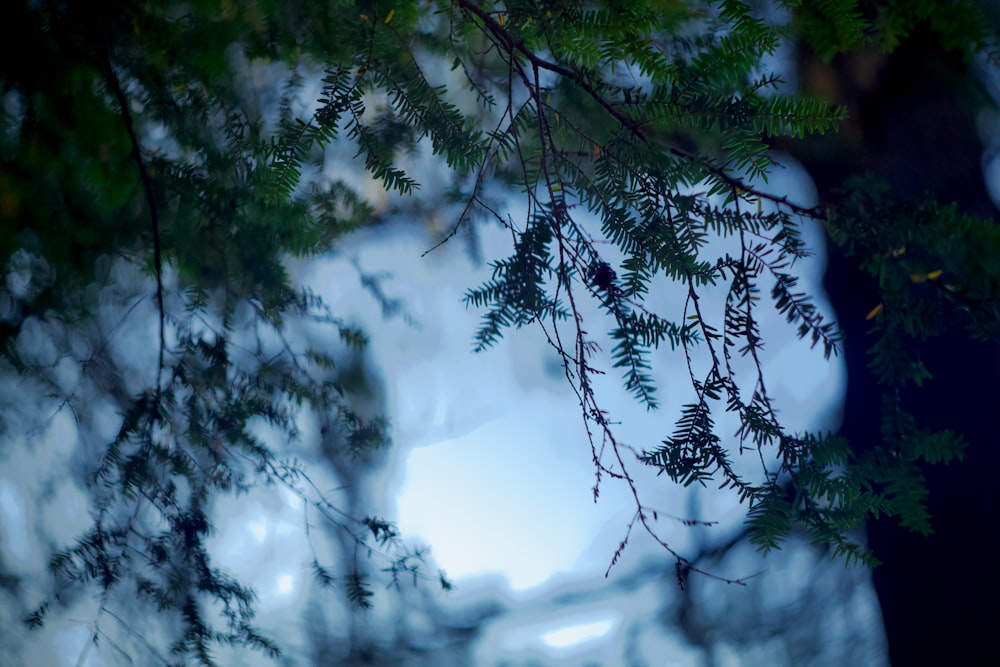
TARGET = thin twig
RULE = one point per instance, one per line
(147, 185)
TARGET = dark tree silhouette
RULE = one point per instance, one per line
(914, 125)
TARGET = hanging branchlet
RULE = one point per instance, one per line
(615, 160)
(620, 150)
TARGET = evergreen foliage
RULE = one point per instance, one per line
(136, 136)
(838, 26)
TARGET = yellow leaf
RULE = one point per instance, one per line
(392, 12)
(874, 311)
(918, 277)
(899, 251)
(934, 275)
(502, 20)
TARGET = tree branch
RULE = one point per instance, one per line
(634, 127)
(147, 185)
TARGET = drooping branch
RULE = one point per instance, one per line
(672, 247)
(147, 186)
